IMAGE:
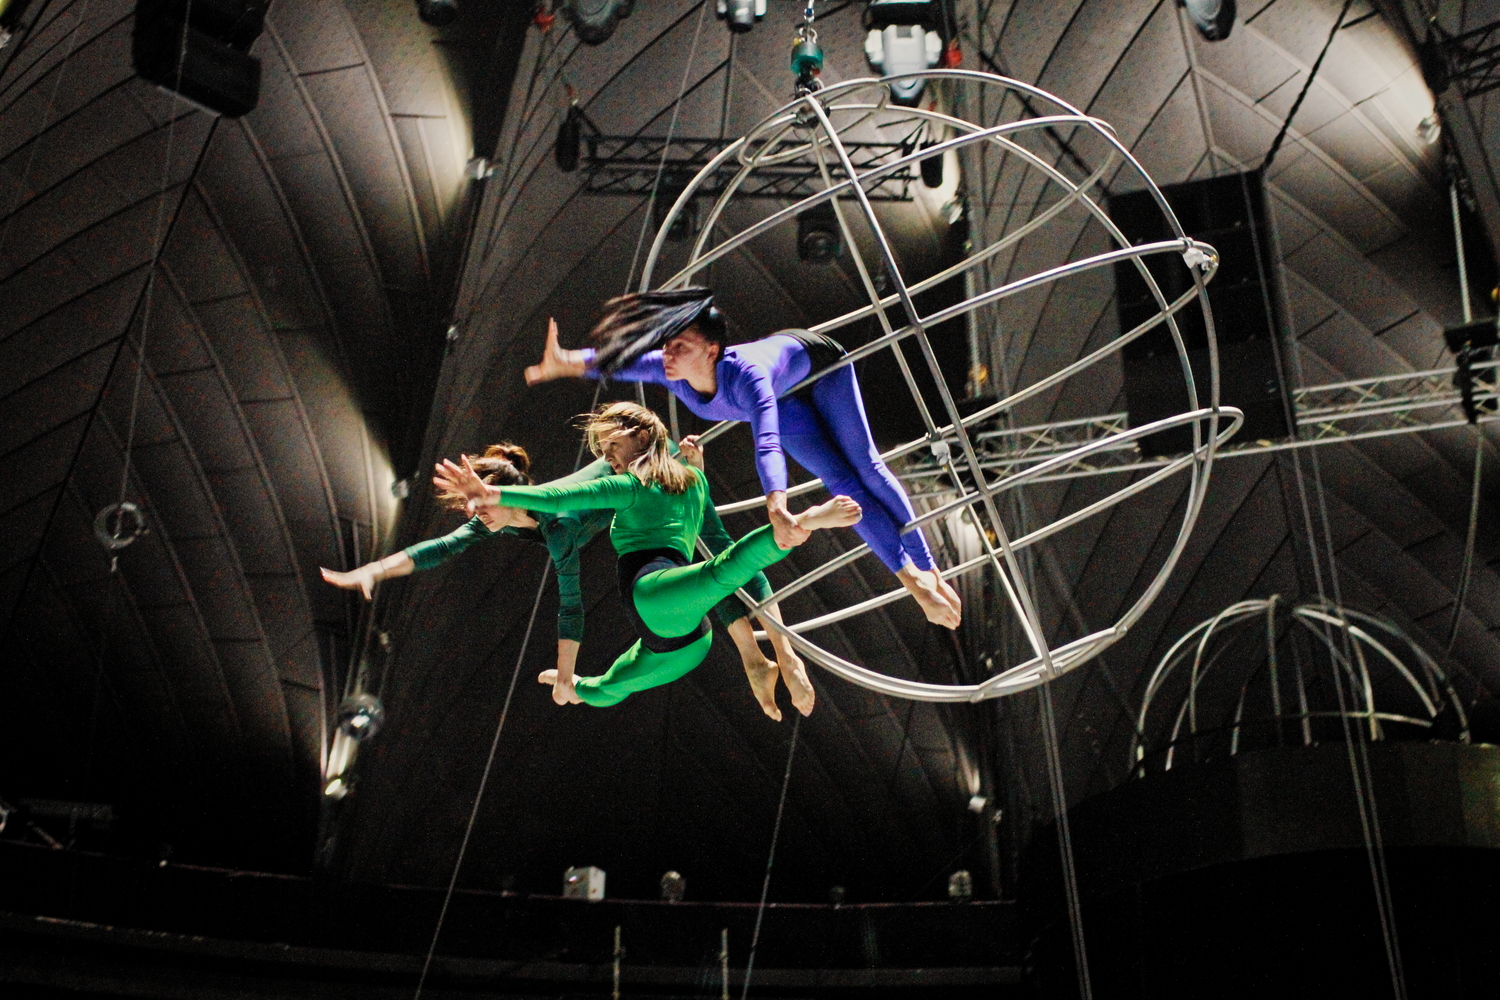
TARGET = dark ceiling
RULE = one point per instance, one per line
(314, 252)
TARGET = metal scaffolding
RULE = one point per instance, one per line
(1355, 410)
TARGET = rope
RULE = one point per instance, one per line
(483, 781)
(1265, 165)
(1466, 569)
(161, 198)
(666, 147)
(765, 888)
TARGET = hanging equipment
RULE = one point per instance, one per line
(807, 54)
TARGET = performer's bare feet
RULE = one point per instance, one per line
(762, 677)
(563, 694)
(794, 676)
(929, 590)
(840, 512)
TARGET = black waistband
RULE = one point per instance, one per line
(631, 567)
(822, 351)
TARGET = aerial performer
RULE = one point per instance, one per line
(679, 340)
(658, 506)
(565, 536)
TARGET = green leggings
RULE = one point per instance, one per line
(672, 602)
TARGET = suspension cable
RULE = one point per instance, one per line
(765, 888)
(1466, 568)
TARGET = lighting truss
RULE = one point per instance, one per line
(1472, 60)
(630, 165)
(1356, 410)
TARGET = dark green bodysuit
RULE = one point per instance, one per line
(565, 535)
(655, 531)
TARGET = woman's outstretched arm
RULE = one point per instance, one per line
(367, 576)
(556, 362)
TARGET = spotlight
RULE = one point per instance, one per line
(898, 40)
(977, 803)
(594, 21)
(818, 238)
(685, 226)
(361, 716)
(961, 886)
(583, 883)
(1214, 19)
(438, 12)
(673, 885)
(932, 168)
(741, 15)
(336, 788)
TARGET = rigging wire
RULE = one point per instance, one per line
(484, 779)
(1466, 568)
(765, 888)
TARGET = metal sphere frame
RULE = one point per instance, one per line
(806, 128)
(1371, 639)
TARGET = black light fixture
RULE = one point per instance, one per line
(438, 12)
(594, 21)
(961, 886)
(932, 167)
(818, 237)
(569, 135)
(1214, 19)
(685, 224)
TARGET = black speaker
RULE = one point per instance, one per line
(1229, 213)
(201, 50)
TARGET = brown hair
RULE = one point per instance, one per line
(503, 464)
(656, 465)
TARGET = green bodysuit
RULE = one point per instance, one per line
(670, 601)
(565, 535)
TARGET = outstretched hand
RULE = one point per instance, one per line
(556, 362)
(362, 579)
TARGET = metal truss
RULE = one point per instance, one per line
(630, 164)
(1357, 410)
(1471, 60)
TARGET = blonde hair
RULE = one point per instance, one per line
(655, 466)
(503, 464)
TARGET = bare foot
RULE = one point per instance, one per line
(762, 676)
(950, 595)
(923, 585)
(840, 512)
(794, 676)
(563, 694)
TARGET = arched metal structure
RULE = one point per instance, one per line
(815, 129)
(1290, 666)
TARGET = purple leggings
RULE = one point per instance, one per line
(825, 430)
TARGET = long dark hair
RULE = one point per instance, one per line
(503, 464)
(636, 323)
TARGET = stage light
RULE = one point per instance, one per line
(336, 788)
(673, 885)
(1214, 19)
(961, 886)
(818, 238)
(569, 140)
(594, 21)
(977, 803)
(583, 883)
(836, 895)
(361, 716)
(740, 15)
(438, 13)
(897, 41)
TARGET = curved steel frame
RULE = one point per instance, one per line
(1321, 620)
(805, 128)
